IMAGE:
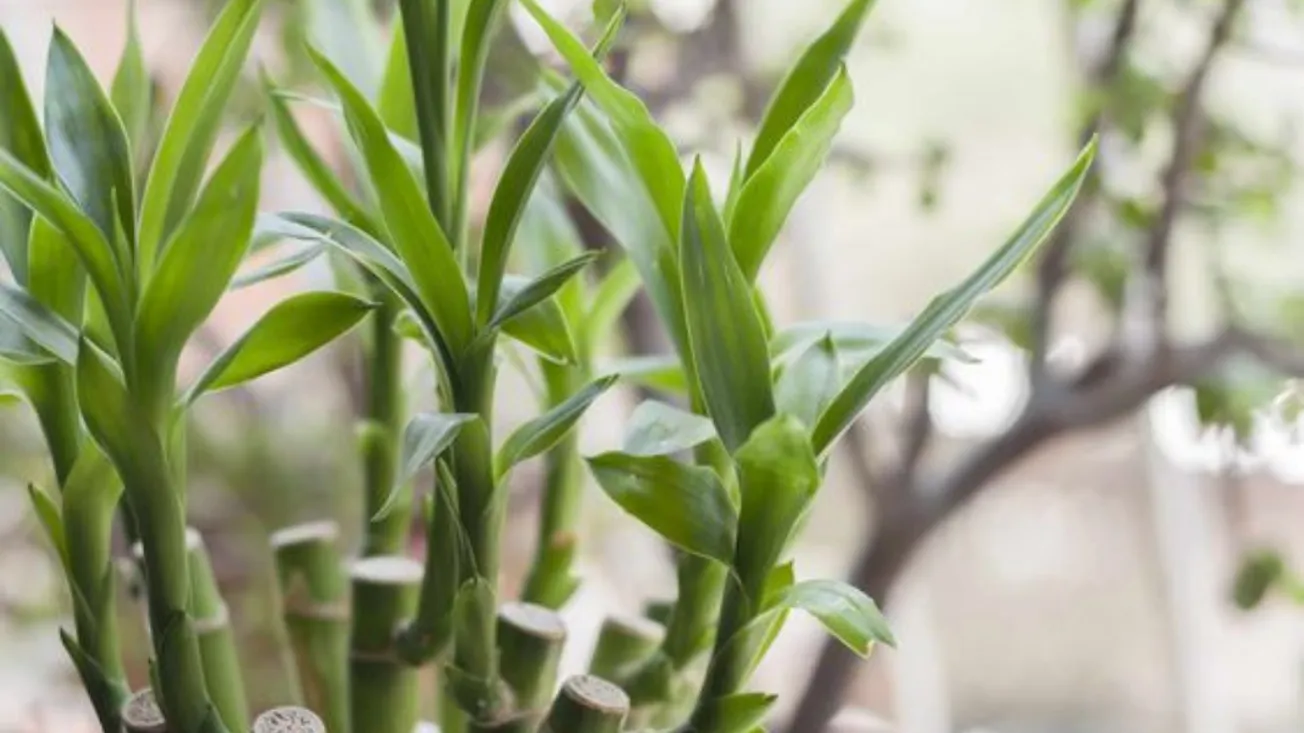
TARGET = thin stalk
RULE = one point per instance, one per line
(587, 704)
(427, 25)
(217, 646)
(314, 607)
(382, 433)
(384, 690)
(624, 643)
(141, 713)
(289, 720)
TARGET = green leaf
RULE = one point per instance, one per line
(429, 44)
(290, 331)
(658, 429)
(811, 382)
(854, 341)
(47, 511)
(425, 438)
(660, 372)
(276, 268)
(778, 477)
(314, 168)
(394, 101)
(193, 126)
(413, 230)
(543, 432)
(807, 81)
(687, 505)
(540, 289)
(612, 297)
(740, 712)
(543, 327)
(482, 22)
(947, 309)
(55, 207)
(729, 349)
(87, 143)
(770, 193)
(55, 276)
(132, 90)
(650, 149)
(105, 404)
(201, 259)
(20, 136)
(44, 327)
(845, 612)
(17, 350)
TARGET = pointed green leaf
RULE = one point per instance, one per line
(416, 235)
(429, 44)
(768, 196)
(47, 511)
(687, 505)
(105, 404)
(199, 263)
(730, 354)
(543, 327)
(482, 21)
(290, 331)
(947, 309)
(20, 135)
(277, 268)
(87, 143)
(658, 429)
(55, 276)
(612, 297)
(811, 382)
(845, 612)
(807, 81)
(394, 101)
(132, 90)
(193, 126)
(854, 341)
(38, 323)
(664, 373)
(540, 289)
(740, 712)
(543, 432)
(425, 438)
(778, 477)
(17, 350)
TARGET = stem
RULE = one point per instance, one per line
(384, 689)
(426, 23)
(217, 647)
(141, 713)
(624, 643)
(314, 598)
(587, 704)
(383, 431)
(728, 670)
(531, 638)
(289, 720)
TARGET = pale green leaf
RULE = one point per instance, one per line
(658, 429)
(845, 612)
(543, 432)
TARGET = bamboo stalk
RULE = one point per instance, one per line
(623, 643)
(383, 689)
(530, 639)
(314, 598)
(381, 434)
(587, 704)
(141, 713)
(289, 719)
(551, 580)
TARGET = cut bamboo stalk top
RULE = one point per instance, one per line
(534, 620)
(141, 713)
(289, 719)
(597, 694)
(308, 532)
(385, 570)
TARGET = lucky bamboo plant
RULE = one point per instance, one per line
(726, 476)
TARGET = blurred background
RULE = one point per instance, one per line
(1055, 526)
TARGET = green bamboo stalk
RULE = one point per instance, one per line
(384, 689)
(624, 643)
(289, 720)
(314, 607)
(141, 713)
(587, 704)
(381, 433)
(551, 581)
(530, 641)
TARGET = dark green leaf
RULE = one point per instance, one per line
(17, 350)
(394, 101)
(425, 438)
(38, 323)
(193, 126)
(777, 477)
(290, 331)
(807, 81)
(20, 136)
(658, 429)
(482, 22)
(105, 404)
(770, 193)
(846, 613)
(811, 382)
(47, 511)
(687, 505)
(540, 289)
(730, 354)
(413, 230)
(740, 712)
(543, 327)
(200, 261)
(947, 309)
(279, 267)
(55, 276)
(429, 44)
(543, 432)
(132, 90)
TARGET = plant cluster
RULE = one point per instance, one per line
(120, 247)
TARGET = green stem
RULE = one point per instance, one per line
(624, 643)
(383, 689)
(217, 648)
(382, 434)
(141, 713)
(314, 603)
(530, 640)
(587, 704)
(427, 26)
